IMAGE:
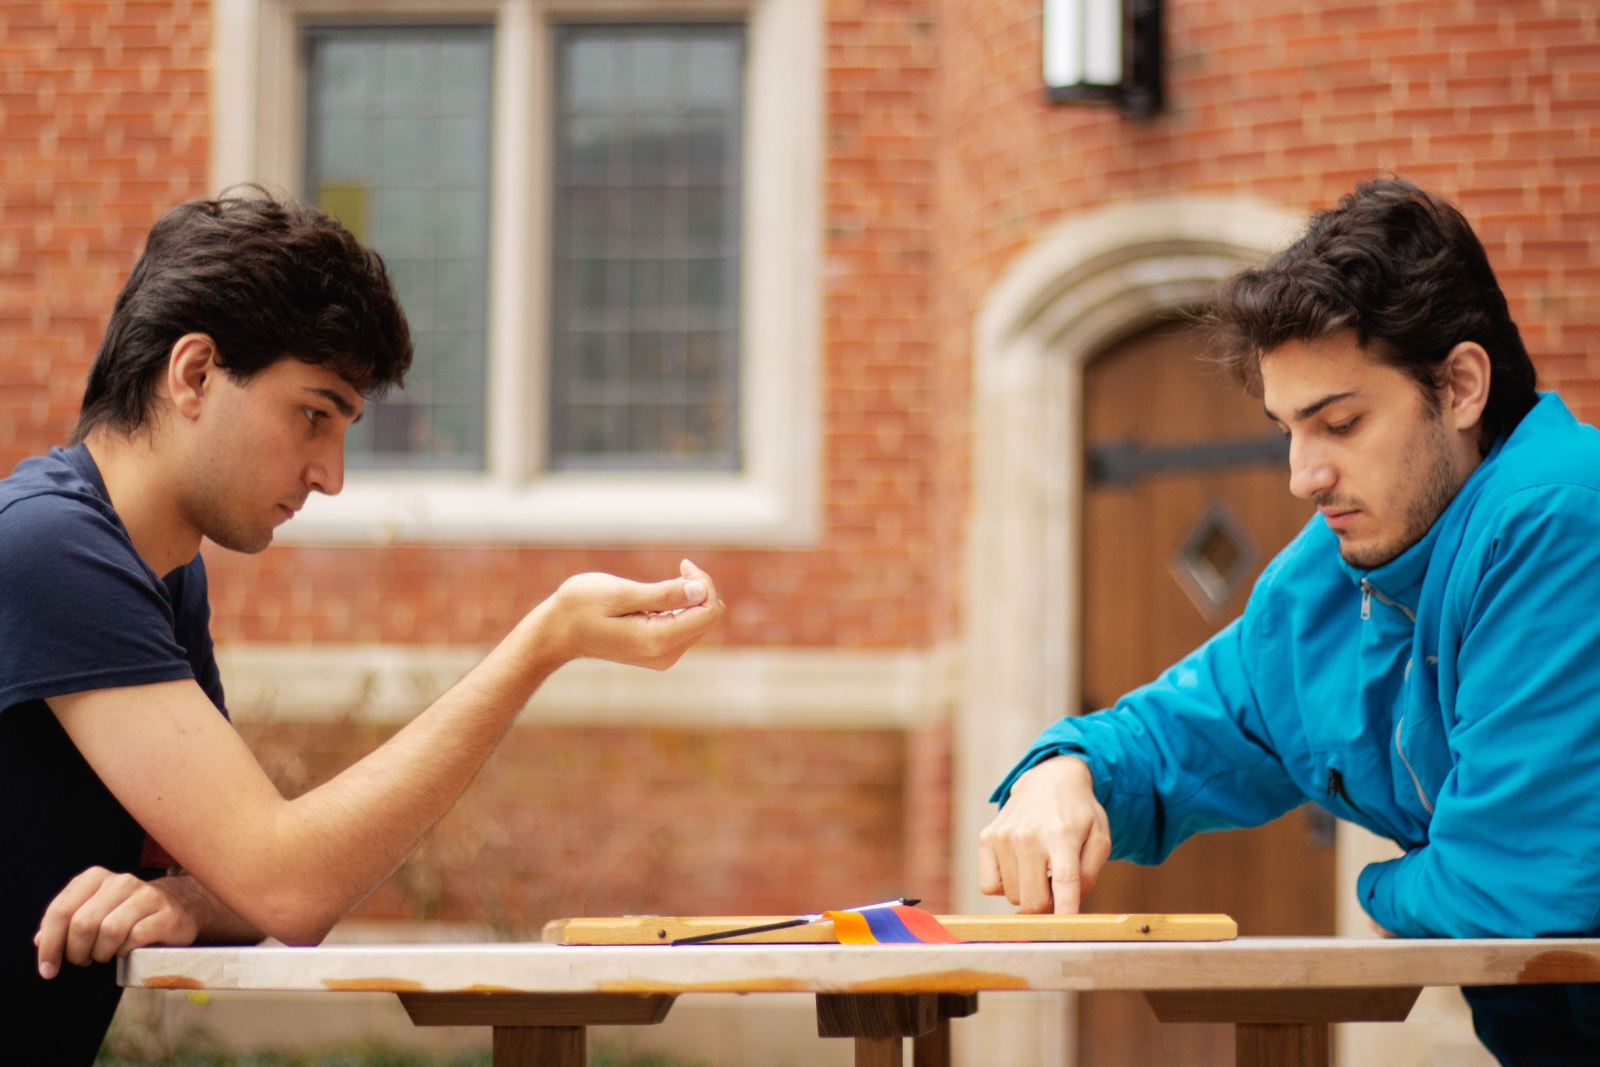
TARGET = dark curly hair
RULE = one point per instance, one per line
(266, 280)
(1399, 266)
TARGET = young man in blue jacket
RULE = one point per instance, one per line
(1423, 659)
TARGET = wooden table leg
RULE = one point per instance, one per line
(877, 1052)
(932, 1049)
(537, 1029)
(877, 1022)
(1282, 1027)
(1281, 1045)
(540, 1046)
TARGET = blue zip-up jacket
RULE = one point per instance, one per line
(1448, 700)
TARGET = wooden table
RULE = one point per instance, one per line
(1280, 993)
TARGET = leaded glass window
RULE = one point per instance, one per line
(645, 247)
(397, 148)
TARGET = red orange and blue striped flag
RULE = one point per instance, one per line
(893, 922)
(896, 924)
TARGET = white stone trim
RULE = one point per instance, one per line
(1088, 281)
(1085, 283)
(709, 687)
(776, 499)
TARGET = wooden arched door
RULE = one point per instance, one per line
(1186, 498)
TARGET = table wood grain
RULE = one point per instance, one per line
(1247, 963)
(1280, 993)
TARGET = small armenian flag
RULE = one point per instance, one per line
(893, 924)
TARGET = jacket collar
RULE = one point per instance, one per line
(1400, 579)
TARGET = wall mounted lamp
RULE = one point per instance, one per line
(1104, 52)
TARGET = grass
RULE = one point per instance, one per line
(348, 1057)
(365, 1056)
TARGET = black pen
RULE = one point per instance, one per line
(798, 920)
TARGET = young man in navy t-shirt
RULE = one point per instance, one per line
(246, 341)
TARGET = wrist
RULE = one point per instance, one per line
(1076, 764)
(1066, 766)
(544, 637)
(189, 895)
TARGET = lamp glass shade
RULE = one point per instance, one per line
(1083, 42)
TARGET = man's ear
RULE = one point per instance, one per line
(192, 369)
(1466, 384)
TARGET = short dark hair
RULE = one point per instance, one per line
(1399, 266)
(266, 280)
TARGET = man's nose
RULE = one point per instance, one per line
(1309, 473)
(326, 472)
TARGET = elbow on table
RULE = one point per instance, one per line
(1532, 919)
(301, 935)
(291, 891)
(294, 918)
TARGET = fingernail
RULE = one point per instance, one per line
(694, 592)
(47, 970)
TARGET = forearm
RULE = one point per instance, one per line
(292, 868)
(335, 844)
(1180, 755)
(1460, 887)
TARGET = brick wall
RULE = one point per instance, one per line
(102, 126)
(1494, 104)
(626, 821)
(930, 867)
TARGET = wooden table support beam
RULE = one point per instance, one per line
(877, 1022)
(894, 1015)
(1282, 1027)
(537, 1029)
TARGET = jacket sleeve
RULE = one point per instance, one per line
(1186, 753)
(1514, 844)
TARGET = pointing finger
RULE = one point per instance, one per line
(988, 871)
(1064, 885)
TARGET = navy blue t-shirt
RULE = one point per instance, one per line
(79, 610)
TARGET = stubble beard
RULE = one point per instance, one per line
(1433, 472)
(206, 509)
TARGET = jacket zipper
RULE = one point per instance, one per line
(1368, 591)
(1336, 789)
(1416, 783)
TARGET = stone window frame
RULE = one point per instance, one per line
(774, 499)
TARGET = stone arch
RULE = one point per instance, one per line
(1086, 283)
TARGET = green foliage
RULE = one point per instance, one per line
(364, 1056)
(374, 1056)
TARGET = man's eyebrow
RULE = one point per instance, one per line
(1312, 408)
(337, 401)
